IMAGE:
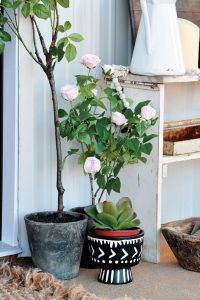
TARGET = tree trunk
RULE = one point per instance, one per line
(60, 188)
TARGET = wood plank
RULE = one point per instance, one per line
(133, 78)
(179, 158)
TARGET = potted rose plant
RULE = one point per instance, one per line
(111, 132)
(55, 238)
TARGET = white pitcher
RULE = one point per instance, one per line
(158, 49)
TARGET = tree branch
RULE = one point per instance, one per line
(35, 45)
(92, 190)
(44, 48)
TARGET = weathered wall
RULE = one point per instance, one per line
(105, 26)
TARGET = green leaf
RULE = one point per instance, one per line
(64, 3)
(3, 19)
(62, 42)
(62, 113)
(118, 168)
(108, 91)
(16, 4)
(63, 129)
(84, 138)
(67, 25)
(70, 52)
(6, 4)
(5, 36)
(141, 127)
(128, 225)
(147, 148)
(99, 225)
(153, 122)
(101, 181)
(99, 148)
(61, 28)
(107, 219)
(2, 46)
(106, 170)
(109, 208)
(149, 137)
(41, 11)
(76, 37)
(133, 144)
(97, 102)
(60, 54)
(143, 159)
(123, 204)
(113, 184)
(72, 151)
(82, 158)
(126, 215)
(91, 212)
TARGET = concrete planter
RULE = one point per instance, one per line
(56, 247)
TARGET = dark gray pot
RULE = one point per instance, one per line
(56, 247)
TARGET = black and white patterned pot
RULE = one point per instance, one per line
(115, 256)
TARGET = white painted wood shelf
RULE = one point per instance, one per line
(167, 159)
(174, 98)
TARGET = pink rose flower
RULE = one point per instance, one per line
(92, 165)
(90, 61)
(148, 112)
(118, 118)
(69, 92)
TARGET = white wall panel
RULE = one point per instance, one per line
(105, 26)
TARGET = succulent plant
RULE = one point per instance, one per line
(106, 215)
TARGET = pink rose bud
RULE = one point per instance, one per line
(92, 165)
(118, 118)
(148, 112)
(69, 92)
(90, 61)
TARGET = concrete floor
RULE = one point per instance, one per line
(164, 281)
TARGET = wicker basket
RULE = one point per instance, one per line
(185, 246)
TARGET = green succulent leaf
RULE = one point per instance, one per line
(109, 208)
(107, 219)
(91, 212)
(126, 215)
(127, 225)
(102, 226)
(123, 204)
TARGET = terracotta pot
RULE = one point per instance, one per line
(119, 233)
(115, 256)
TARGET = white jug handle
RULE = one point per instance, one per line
(147, 25)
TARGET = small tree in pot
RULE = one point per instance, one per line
(52, 236)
